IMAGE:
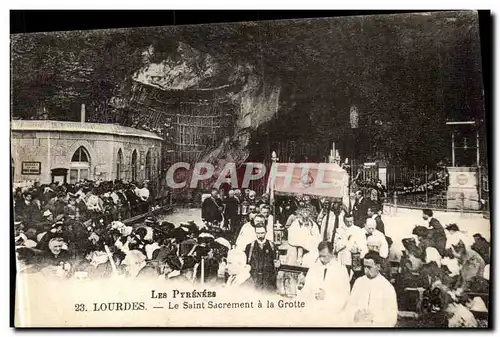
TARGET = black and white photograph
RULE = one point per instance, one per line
(310, 172)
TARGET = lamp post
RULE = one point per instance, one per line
(347, 167)
(274, 160)
(354, 121)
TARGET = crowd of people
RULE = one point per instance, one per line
(349, 265)
(448, 269)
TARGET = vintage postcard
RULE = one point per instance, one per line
(327, 172)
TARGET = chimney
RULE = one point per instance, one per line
(82, 114)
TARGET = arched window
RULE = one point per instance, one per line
(133, 164)
(80, 165)
(119, 164)
(148, 165)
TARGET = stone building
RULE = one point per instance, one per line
(48, 151)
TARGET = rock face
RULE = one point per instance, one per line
(186, 69)
(257, 99)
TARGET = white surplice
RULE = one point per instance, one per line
(378, 297)
(334, 282)
(348, 238)
(305, 236)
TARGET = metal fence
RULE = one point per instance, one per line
(417, 187)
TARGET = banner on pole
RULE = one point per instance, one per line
(317, 179)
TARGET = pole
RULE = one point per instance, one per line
(274, 160)
(349, 193)
(477, 148)
(453, 149)
(426, 188)
(202, 270)
(82, 113)
(325, 234)
(110, 258)
(480, 182)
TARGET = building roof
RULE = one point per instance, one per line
(60, 126)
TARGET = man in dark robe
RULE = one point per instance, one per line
(231, 211)
(133, 200)
(261, 256)
(360, 209)
(211, 208)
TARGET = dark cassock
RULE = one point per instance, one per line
(231, 206)
(380, 224)
(360, 211)
(211, 210)
(261, 256)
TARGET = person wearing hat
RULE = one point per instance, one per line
(48, 216)
(132, 200)
(56, 204)
(454, 235)
(70, 208)
(252, 198)
(436, 231)
(167, 261)
(56, 252)
(55, 230)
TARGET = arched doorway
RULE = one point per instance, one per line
(80, 166)
(133, 164)
(148, 165)
(119, 164)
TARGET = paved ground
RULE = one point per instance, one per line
(398, 223)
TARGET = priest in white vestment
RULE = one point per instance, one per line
(373, 301)
(303, 240)
(326, 286)
(326, 230)
(348, 239)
